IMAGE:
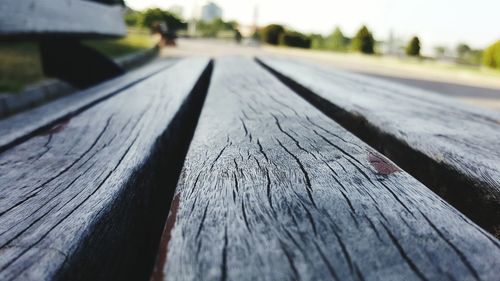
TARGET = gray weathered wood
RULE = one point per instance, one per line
(452, 148)
(23, 125)
(76, 18)
(272, 189)
(80, 201)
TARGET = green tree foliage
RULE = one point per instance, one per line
(317, 41)
(155, 15)
(491, 56)
(132, 18)
(474, 57)
(337, 41)
(467, 55)
(413, 47)
(363, 41)
(212, 28)
(294, 39)
(271, 33)
(463, 49)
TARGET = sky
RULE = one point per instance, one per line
(436, 22)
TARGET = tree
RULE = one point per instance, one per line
(413, 47)
(212, 28)
(463, 50)
(473, 57)
(271, 33)
(317, 41)
(363, 41)
(467, 55)
(294, 39)
(336, 41)
(491, 56)
(132, 18)
(155, 15)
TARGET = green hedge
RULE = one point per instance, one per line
(295, 39)
(491, 56)
(271, 33)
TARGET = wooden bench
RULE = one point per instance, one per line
(272, 189)
(452, 148)
(111, 183)
(84, 179)
(85, 199)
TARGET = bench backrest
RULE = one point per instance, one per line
(58, 26)
(73, 18)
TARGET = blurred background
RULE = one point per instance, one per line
(449, 46)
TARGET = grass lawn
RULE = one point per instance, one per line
(136, 40)
(19, 66)
(20, 62)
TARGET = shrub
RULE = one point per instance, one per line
(295, 39)
(467, 55)
(413, 47)
(337, 41)
(317, 41)
(363, 41)
(212, 28)
(491, 56)
(132, 18)
(463, 49)
(154, 15)
(271, 33)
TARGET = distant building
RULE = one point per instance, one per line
(210, 11)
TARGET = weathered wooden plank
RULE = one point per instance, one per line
(76, 18)
(272, 189)
(21, 126)
(85, 200)
(450, 147)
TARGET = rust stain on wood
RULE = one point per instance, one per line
(161, 260)
(381, 165)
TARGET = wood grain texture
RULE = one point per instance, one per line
(19, 127)
(450, 147)
(76, 18)
(83, 200)
(272, 189)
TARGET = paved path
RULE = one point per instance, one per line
(478, 91)
(479, 96)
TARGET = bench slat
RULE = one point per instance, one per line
(23, 125)
(79, 201)
(272, 189)
(452, 148)
(76, 18)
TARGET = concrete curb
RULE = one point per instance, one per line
(52, 89)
